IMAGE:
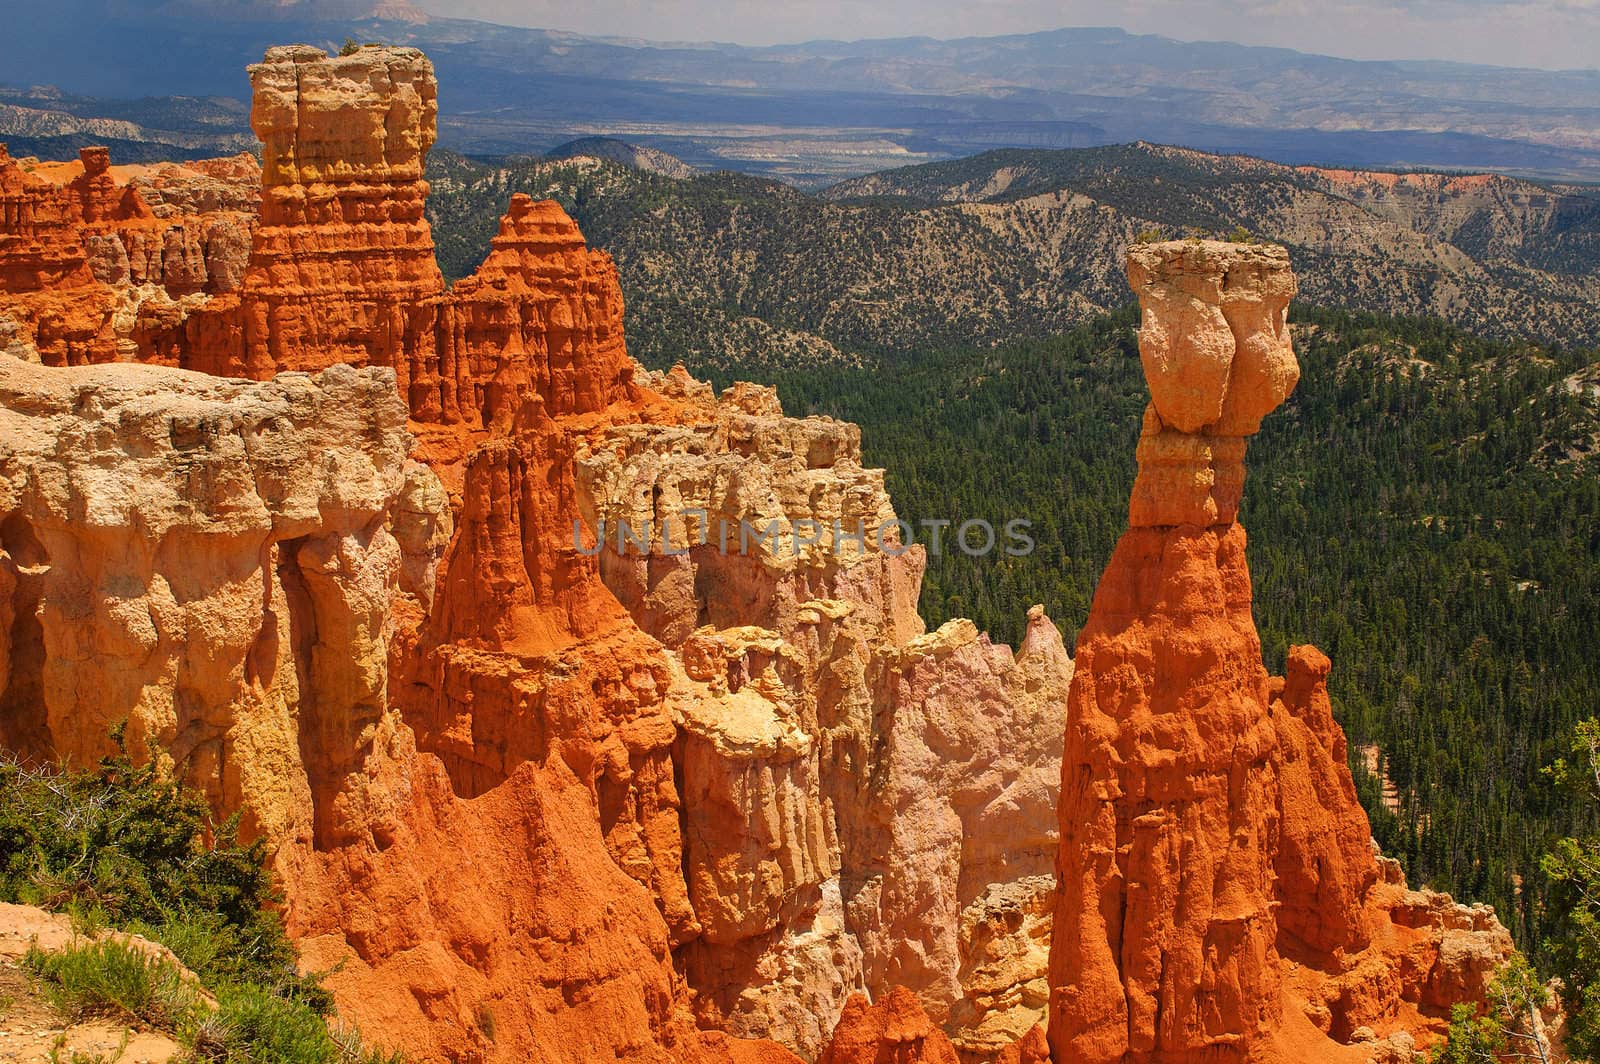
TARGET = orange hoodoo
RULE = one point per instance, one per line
(1219, 897)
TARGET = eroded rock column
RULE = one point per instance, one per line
(341, 267)
(1218, 894)
(1163, 944)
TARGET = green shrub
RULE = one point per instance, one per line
(485, 1017)
(124, 846)
(254, 1026)
(111, 978)
(1507, 1030)
(261, 1027)
(1473, 1039)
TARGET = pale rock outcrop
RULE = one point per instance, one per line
(203, 186)
(965, 767)
(364, 117)
(1214, 343)
(775, 952)
(866, 804)
(208, 562)
(741, 516)
(1004, 946)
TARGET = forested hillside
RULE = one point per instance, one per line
(1425, 509)
(724, 269)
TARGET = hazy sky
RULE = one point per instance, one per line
(1539, 33)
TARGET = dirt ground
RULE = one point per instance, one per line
(33, 1032)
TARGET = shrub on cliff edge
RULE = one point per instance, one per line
(127, 847)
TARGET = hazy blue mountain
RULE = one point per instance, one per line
(824, 110)
(612, 150)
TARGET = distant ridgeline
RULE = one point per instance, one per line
(1425, 508)
(725, 270)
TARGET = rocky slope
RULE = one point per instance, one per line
(724, 271)
(35, 1029)
(430, 586)
(621, 152)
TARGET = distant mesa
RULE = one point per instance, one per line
(611, 150)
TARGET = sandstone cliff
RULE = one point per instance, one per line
(206, 560)
(1218, 895)
(341, 265)
(865, 804)
(531, 796)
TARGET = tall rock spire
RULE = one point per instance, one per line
(341, 266)
(1218, 896)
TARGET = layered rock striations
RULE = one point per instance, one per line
(99, 266)
(1219, 897)
(543, 314)
(341, 265)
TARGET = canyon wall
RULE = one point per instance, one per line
(337, 560)
(207, 564)
(1219, 897)
(865, 804)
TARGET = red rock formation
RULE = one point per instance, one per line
(542, 315)
(341, 265)
(89, 272)
(892, 1030)
(537, 801)
(1031, 1048)
(1218, 895)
